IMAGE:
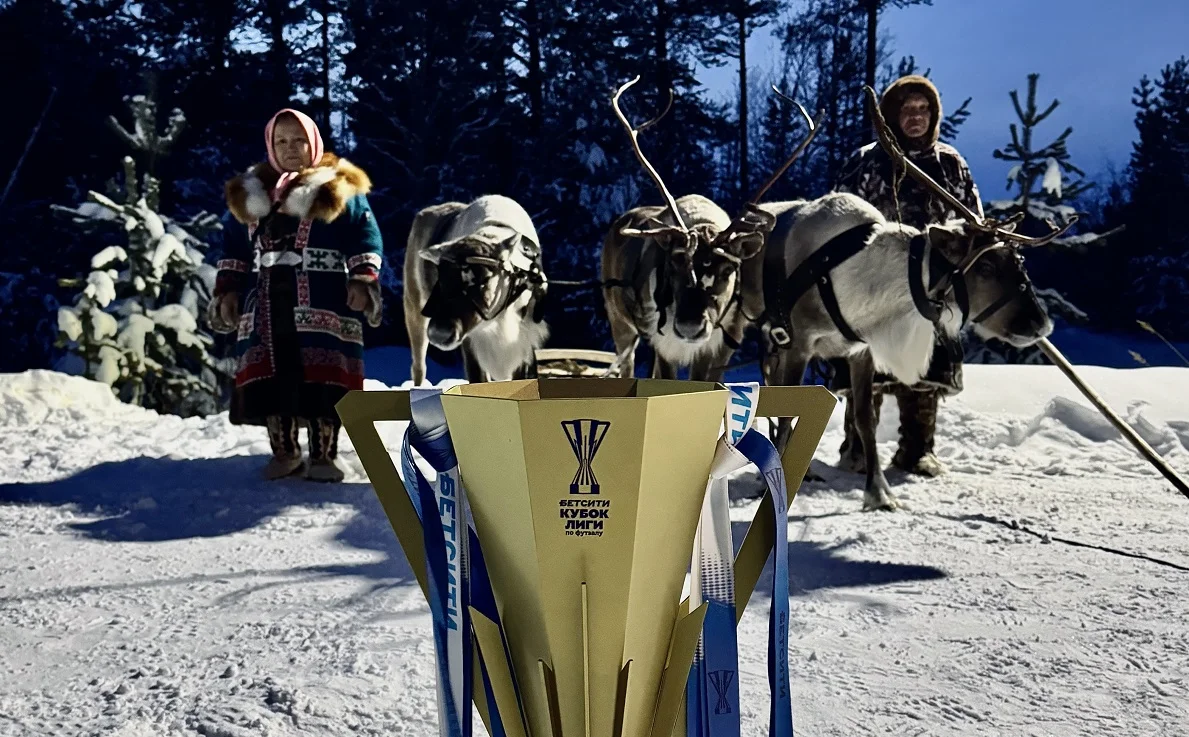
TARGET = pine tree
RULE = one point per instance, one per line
(1044, 193)
(1158, 241)
(1048, 165)
(135, 323)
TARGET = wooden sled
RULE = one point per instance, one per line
(576, 362)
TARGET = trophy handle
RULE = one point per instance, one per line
(812, 407)
(359, 412)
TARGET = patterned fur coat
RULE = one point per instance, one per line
(307, 247)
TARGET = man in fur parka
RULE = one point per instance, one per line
(912, 108)
(298, 276)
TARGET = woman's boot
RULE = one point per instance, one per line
(286, 447)
(324, 449)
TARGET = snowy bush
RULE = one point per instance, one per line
(135, 323)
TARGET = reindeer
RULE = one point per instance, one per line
(473, 280)
(882, 287)
(684, 275)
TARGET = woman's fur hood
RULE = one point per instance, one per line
(320, 192)
(894, 96)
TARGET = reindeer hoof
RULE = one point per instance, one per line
(885, 503)
(879, 498)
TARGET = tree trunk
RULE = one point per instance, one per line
(536, 81)
(326, 129)
(664, 81)
(872, 24)
(744, 172)
(278, 52)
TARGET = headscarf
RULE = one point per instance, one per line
(313, 136)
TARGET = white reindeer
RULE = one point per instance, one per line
(684, 275)
(473, 280)
(841, 281)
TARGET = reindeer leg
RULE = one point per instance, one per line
(850, 454)
(710, 366)
(789, 371)
(418, 328)
(661, 367)
(877, 494)
(624, 333)
(473, 372)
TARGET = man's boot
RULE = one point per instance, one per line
(918, 422)
(850, 454)
(286, 447)
(324, 449)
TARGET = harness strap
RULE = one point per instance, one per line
(930, 309)
(825, 290)
(995, 306)
(962, 296)
(816, 270)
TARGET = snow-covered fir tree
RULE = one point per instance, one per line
(1045, 190)
(135, 325)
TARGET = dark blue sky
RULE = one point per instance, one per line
(1089, 54)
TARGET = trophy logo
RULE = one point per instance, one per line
(585, 437)
(721, 680)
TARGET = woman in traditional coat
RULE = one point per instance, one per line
(297, 278)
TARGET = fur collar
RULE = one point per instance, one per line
(319, 192)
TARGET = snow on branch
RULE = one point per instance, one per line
(135, 322)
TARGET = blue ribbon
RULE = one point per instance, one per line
(712, 700)
(451, 588)
(760, 451)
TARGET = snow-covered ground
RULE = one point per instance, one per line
(151, 585)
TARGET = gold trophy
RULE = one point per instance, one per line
(585, 496)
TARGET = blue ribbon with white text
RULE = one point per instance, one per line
(712, 696)
(456, 575)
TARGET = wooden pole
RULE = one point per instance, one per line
(1144, 449)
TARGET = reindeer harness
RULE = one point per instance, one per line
(815, 270)
(647, 259)
(461, 285)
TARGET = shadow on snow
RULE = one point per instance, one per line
(145, 500)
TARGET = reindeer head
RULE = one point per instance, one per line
(478, 275)
(699, 280)
(986, 254)
(990, 283)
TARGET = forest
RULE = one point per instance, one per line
(451, 99)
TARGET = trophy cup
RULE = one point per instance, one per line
(584, 497)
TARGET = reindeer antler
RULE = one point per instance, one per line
(634, 133)
(999, 228)
(813, 129)
(752, 206)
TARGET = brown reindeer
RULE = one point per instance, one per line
(684, 275)
(881, 287)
